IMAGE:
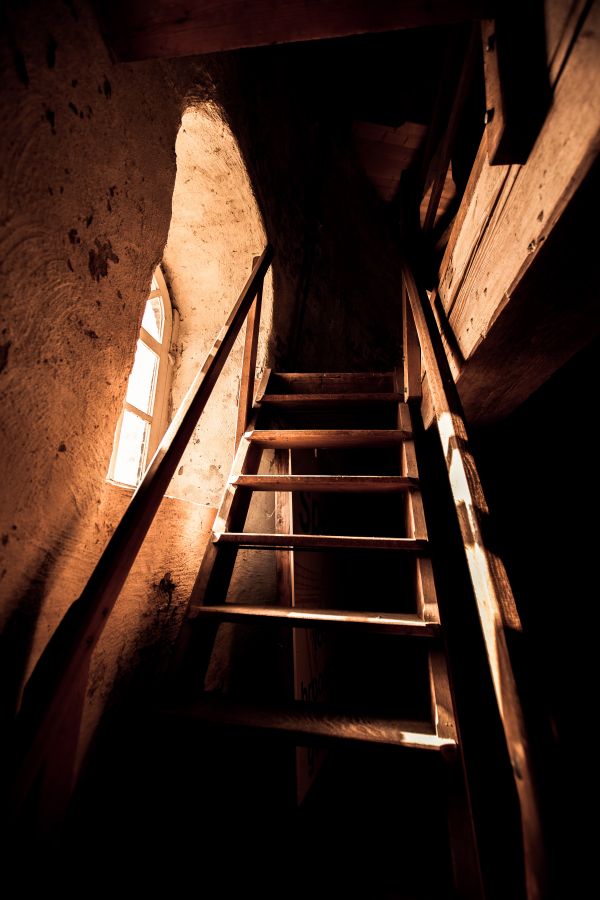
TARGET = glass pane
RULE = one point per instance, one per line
(142, 381)
(154, 318)
(130, 459)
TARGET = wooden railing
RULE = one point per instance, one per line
(47, 727)
(491, 588)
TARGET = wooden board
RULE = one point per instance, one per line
(170, 28)
(491, 588)
(510, 210)
(318, 401)
(322, 438)
(332, 483)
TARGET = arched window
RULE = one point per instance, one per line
(144, 417)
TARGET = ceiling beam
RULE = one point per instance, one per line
(135, 29)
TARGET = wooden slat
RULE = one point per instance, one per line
(334, 382)
(323, 438)
(297, 617)
(248, 365)
(416, 527)
(167, 28)
(411, 353)
(329, 483)
(304, 723)
(319, 541)
(317, 401)
(511, 210)
(47, 693)
(492, 591)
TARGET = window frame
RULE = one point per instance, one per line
(158, 419)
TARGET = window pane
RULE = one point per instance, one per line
(130, 459)
(154, 318)
(142, 381)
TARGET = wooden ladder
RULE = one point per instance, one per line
(281, 399)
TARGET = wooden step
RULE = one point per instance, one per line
(319, 542)
(409, 625)
(330, 483)
(320, 401)
(324, 438)
(330, 382)
(303, 723)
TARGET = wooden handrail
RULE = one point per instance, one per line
(493, 595)
(65, 660)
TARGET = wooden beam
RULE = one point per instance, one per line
(411, 353)
(491, 588)
(508, 212)
(163, 29)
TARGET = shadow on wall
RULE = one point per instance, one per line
(17, 639)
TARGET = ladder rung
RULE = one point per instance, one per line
(410, 625)
(333, 382)
(323, 400)
(324, 438)
(332, 483)
(319, 541)
(303, 723)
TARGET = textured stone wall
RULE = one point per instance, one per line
(87, 167)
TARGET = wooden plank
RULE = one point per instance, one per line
(46, 697)
(411, 353)
(302, 723)
(323, 438)
(416, 527)
(135, 30)
(320, 541)
(492, 591)
(332, 382)
(248, 365)
(372, 622)
(322, 383)
(330, 483)
(318, 401)
(514, 208)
